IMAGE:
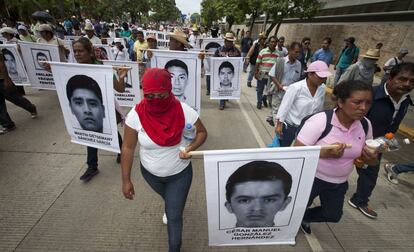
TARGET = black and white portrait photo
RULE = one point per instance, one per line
(185, 70)
(14, 64)
(210, 48)
(226, 76)
(257, 196)
(33, 55)
(87, 100)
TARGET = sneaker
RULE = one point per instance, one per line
(118, 158)
(34, 114)
(221, 107)
(305, 227)
(89, 174)
(7, 130)
(391, 174)
(369, 212)
(249, 84)
(259, 106)
(270, 121)
(164, 219)
(265, 103)
(352, 204)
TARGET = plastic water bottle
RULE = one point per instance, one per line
(189, 133)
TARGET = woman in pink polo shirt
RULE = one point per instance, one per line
(354, 99)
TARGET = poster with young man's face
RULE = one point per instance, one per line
(132, 94)
(258, 196)
(14, 64)
(86, 97)
(210, 45)
(185, 70)
(34, 56)
(226, 77)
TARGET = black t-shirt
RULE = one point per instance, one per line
(214, 32)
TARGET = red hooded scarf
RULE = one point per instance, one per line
(162, 118)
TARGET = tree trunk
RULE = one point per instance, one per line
(265, 22)
(272, 25)
(278, 27)
(62, 9)
(252, 23)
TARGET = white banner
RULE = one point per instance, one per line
(132, 94)
(72, 37)
(185, 68)
(33, 54)
(210, 45)
(226, 77)
(258, 196)
(103, 52)
(14, 64)
(86, 96)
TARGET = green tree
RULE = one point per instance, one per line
(195, 18)
(164, 10)
(209, 13)
(282, 9)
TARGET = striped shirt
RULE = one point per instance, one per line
(266, 60)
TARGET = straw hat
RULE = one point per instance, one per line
(262, 35)
(7, 30)
(372, 54)
(45, 27)
(229, 36)
(89, 27)
(180, 37)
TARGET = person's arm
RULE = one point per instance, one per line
(348, 74)
(272, 74)
(199, 139)
(258, 63)
(336, 152)
(281, 113)
(119, 84)
(127, 158)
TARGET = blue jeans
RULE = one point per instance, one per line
(260, 87)
(367, 180)
(400, 168)
(174, 190)
(252, 70)
(244, 54)
(92, 154)
(338, 73)
(332, 201)
(288, 135)
(208, 83)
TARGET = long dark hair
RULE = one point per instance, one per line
(87, 44)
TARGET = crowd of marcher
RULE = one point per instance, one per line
(291, 81)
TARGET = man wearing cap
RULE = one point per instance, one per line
(47, 37)
(349, 55)
(364, 69)
(140, 45)
(24, 35)
(301, 99)
(228, 50)
(90, 34)
(9, 34)
(393, 62)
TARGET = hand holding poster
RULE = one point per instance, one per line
(33, 56)
(226, 76)
(258, 196)
(132, 94)
(86, 97)
(185, 69)
(14, 64)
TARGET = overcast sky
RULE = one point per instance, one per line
(188, 6)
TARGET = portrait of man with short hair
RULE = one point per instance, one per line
(179, 77)
(11, 65)
(85, 101)
(226, 74)
(39, 56)
(256, 192)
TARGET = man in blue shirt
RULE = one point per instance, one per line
(349, 55)
(389, 106)
(324, 53)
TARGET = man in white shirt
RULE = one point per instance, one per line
(302, 98)
(393, 62)
(90, 34)
(193, 38)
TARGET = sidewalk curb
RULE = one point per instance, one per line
(403, 129)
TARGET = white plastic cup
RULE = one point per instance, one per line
(372, 145)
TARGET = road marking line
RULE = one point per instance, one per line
(312, 240)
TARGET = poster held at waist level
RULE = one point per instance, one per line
(132, 94)
(14, 64)
(258, 196)
(86, 97)
(185, 69)
(226, 77)
(33, 56)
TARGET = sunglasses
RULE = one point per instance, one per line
(306, 43)
(156, 96)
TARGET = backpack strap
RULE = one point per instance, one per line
(328, 125)
(365, 125)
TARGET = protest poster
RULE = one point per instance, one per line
(210, 45)
(185, 69)
(14, 64)
(258, 196)
(132, 94)
(226, 77)
(86, 97)
(71, 56)
(33, 56)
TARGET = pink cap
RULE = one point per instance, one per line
(320, 68)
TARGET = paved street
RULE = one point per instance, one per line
(45, 207)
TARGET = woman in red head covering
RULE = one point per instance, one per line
(159, 122)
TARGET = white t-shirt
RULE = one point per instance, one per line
(162, 161)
